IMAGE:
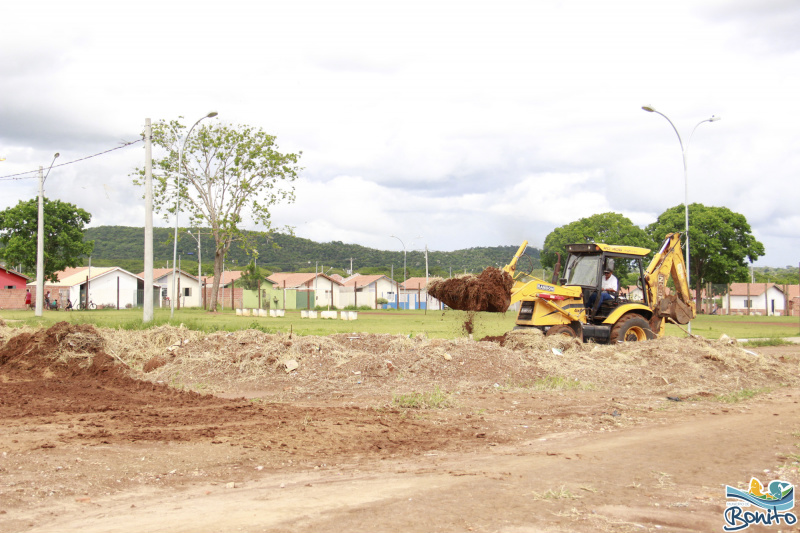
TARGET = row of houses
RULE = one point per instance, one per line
(114, 287)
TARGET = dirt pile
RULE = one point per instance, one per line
(489, 291)
(66, 369)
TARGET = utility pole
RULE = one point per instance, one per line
(40, 248)
(199, 264)
(147, 304)
(40, 242)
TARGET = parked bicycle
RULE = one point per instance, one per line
(82, 306)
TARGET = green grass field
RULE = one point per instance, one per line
(433, 324)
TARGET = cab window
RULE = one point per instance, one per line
(582, 270)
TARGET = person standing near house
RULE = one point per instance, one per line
(47, 300)
(28, 298)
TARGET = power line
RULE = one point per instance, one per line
(24, 175)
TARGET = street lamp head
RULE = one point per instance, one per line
(714, 119)
(212, 114)
(56, 156)
(649, 108)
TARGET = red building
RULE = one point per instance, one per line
(12, 289)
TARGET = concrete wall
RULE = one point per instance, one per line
(224, 296)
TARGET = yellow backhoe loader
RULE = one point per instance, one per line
(573, 306)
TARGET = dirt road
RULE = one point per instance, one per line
(90, 442)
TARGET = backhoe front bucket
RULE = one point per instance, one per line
(671, 307)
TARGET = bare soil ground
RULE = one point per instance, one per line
(173, 430)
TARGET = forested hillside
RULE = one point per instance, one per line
(123, 246)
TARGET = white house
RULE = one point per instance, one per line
(754, 299)
(322, 290)
(359, 290)
(187, 287)
(414, 295)
(107, 287)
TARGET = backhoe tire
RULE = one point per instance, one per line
(565, 330)
(631, 328)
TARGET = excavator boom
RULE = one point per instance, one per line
(668, 263)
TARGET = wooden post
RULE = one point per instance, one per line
(766, 301)
(748, 298)
(729, 299)
(117, 293)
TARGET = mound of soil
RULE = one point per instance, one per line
(349, 432)
(489, 291)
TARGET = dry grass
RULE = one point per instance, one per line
(251, 359)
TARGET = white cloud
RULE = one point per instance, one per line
(468, 123)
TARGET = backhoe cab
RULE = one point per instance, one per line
(573, 307)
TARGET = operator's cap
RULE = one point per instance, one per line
(606, 271)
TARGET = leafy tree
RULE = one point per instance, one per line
(720, 243)
(63, 235)
(251, 277)
(228, 172)
(607, 228)
(779, 276)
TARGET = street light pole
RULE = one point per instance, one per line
(405, 273)
(40, 242)
(684, 151)
(177, 212)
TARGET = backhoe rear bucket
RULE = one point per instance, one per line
(671, 307)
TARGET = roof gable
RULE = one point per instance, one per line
(75, 276)
(417, 283)
(227, 277)
(13, 273)
(358, 280)
(297, 279)
(159, 273)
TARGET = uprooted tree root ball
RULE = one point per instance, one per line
(489, 291)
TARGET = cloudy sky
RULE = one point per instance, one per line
(449, 124)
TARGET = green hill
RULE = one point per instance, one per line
(123, 246)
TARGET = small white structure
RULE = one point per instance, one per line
(187, 287)
(361, 290)
(106, 287)
(754, 299)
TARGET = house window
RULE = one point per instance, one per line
(748, 304)
(187, 291)
(11, 286)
